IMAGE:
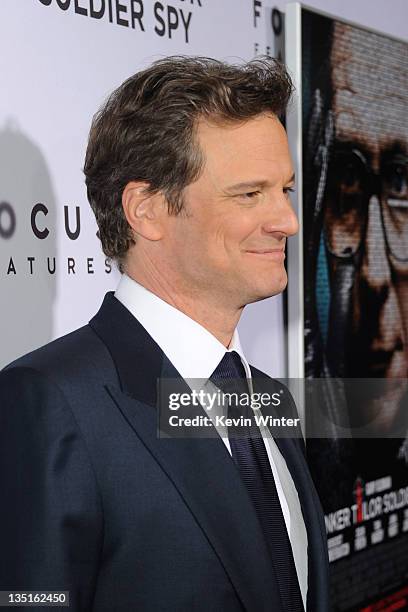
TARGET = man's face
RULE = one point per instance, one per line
(229, 243)
(371, 141)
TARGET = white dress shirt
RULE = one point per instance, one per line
(196, 357)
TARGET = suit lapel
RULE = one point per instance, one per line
(291, 450)
(201, 469)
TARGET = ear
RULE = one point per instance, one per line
(143, 210)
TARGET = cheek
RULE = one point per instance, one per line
(216, 239)
(217, 236)
(402, 293)
(200, 245)
(238, 231)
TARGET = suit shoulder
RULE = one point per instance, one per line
(266, 379)
(258, 373)
(79, 354)
(275, 382)
(273, 385)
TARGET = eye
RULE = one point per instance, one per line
(287, 190)
(349, 172)
(249, 195)
(396, 180)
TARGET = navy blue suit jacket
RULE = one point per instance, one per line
(95, 503)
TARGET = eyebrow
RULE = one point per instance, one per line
(254, 184)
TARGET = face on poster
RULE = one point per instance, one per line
(356, 149)
(355, 234)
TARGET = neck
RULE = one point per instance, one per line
(206, 309)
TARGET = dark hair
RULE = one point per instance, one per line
(145, 131)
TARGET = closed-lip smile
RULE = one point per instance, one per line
(272, 253)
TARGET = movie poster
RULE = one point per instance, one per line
(355, 237)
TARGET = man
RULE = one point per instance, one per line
(357, 245)
(371, 146)
(356, 277)
(188, 173)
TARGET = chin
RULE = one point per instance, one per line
(262, 292)
(278, 284)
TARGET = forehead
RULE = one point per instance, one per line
(259, 143)
(370, 87)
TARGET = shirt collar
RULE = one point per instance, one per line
(199, 352)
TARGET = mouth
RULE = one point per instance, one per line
(378, 362)
(273, 254)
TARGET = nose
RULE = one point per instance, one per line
(375, 266)
(280, 217)
(376, 309)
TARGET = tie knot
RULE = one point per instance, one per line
(230, 366)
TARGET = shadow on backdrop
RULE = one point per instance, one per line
(28, 263)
